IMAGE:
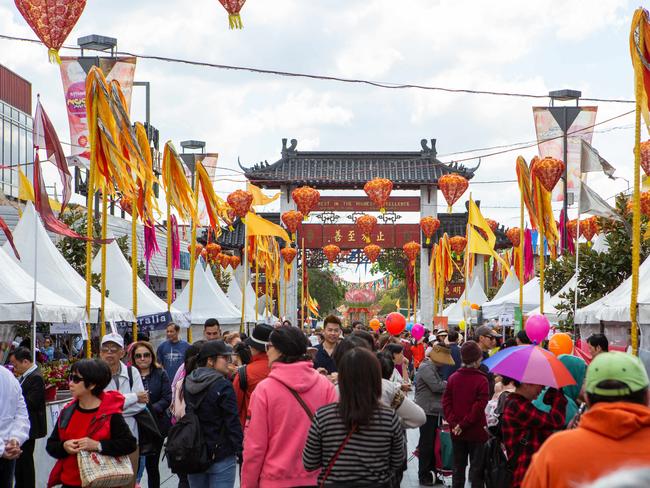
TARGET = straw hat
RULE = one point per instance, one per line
(441, 355)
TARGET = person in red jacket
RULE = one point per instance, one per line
(463, 404)
(249, 375)
(91, 422)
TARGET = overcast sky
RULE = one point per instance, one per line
(525, 47)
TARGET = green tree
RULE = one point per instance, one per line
(392, 262)
(325, 289)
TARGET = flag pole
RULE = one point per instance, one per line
(540, 234)
(193, 255)
(302, 288)
(521, 256)
(243, 280)
(577, 271)
(257, 274)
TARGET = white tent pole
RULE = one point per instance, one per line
(35, 288)
(577, 272)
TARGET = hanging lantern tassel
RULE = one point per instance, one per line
(235, 21)
(53, 54)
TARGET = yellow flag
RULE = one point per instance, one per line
(26, 191)
(259, 198)
(476, 219)
(397, 304)
(258, 226)
(478, 245)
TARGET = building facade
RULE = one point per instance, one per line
(16, 125)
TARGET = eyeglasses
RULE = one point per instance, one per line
(111, 350)
(75, 378)
(144, 355)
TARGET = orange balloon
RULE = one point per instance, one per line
(374, 324)
(560, 343)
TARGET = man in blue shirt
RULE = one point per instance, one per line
(331, 335)
(171, 353)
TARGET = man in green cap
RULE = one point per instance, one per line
(613, 433)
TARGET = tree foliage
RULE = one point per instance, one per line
(325, 289)
(392, 262)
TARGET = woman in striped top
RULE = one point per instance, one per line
(357, 441)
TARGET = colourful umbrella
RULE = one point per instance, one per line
(530, 364)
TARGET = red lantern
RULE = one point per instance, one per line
(589, 228)
(51, 20)
(233, 7)
(224, 260)
(291, 220)
(429, 226)
(452, 187)
(240, 201)
(125, 204)
(645, 203)
(331, 252)
(411, 250)
(198, 248)
(493, 224)
(214, 250)
(306, 199)
(458, 244)
(548, 171)
(395, 323)
(234, 261)
(513, 235)
(372, 252)
(571, 227)
(366, 224)
(644, 151)
(378, 191)
(288, 254)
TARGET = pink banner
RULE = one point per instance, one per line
(547, 128)
(73, 76)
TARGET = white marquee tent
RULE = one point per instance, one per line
(510, 284)
(475, 294)
(17, 297)
(207, 302)
(234, 295)
(552, 313)
(118, 283)
(506, 304)
(54, 271)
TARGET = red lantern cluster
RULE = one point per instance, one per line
(198, 249)
(378, 191)
(644, 150)
(240, 202)
(234, 261)
(411, 250)
(452, 187)
(572, 228)
(589, 228)
(458, 244)
(224, 260)
(291, 220)
(548, 171)
(213, 250)
(331, 252)
(306, 199)
(429, 226)
(372, 252)
(513, 235)
(366, 224)
(645, 203)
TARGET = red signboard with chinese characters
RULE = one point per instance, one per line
(363, 204)
(454, 289)
(348, 236)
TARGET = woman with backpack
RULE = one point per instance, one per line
(156, 382)
(280, 413)
(92, 422)
(357, 441)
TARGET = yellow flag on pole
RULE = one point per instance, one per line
(259, 198)
(476, 219)
(26, 191)
(478, 245)
(258, 226)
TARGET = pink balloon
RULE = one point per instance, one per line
(417, 331)
(537, 327)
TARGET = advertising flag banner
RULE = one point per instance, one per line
(551, 143)
(73, 76)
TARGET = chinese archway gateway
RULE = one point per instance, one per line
(407, 170)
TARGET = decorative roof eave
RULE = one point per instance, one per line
(350, 170)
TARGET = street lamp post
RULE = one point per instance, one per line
(565, 116)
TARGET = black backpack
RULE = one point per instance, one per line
(185, 449)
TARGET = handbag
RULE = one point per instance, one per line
(98, 470)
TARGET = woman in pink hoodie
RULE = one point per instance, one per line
(280, 413)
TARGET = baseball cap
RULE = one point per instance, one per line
(112, 337)
(485, 330)
(260, 336)
(215, 348)
(616, 366)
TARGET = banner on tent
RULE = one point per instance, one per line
(440, 322)
(73, 76)
(147, 323)
(65, 328)
(507, 319)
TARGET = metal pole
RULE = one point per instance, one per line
(577, 272)
(35, 287)
(565, 203)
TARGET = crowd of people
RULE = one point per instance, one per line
(285, 407)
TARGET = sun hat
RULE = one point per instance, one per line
(441, 355)
(616, 366)
(260, 336)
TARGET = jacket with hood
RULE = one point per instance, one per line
(610, 436)
(464, 402)
(217, 413)
(277, 426)
(578, 368)
(104, 424)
